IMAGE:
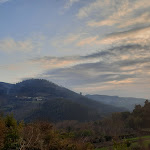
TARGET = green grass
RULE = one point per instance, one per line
(145, 141)
(137, 138)
(134, 141)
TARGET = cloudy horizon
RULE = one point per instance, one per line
(89, 46)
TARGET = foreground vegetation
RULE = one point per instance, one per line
(36, 136)
(120, 131)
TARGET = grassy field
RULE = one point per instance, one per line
(144, 140)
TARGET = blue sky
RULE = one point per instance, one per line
(92, 46)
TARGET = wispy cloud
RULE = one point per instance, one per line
(119, 12)
(117, 66)
(91, 8)
(140, 19)
(140, 35)
(10, 44)
(87, 41)
(49, 62)
(69, 3)
(137, 35)
(120, 21)
(4, 1)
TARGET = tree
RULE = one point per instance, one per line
(2, 132)
(11, 140)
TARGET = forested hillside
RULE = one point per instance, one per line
(36, 98)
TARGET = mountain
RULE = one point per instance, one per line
(4, 88)
(126, 102)
(40, 99)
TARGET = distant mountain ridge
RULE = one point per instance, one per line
(126, 102)
(41, 99)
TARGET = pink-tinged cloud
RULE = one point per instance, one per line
(87, 41)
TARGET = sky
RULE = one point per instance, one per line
(89, 46)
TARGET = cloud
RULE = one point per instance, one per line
(120, 13)
(87, 41)
(120, 21)
(118, 9)
(123, 65)
(91, 8)
(49, 62)
(71, 38)
(142, 19)
(69, 3)
(75, 43)
(135, 35)
(123, 54)
(62, 41)
(87, 74)
(4, 1)
(94, 39)
(101, 23)
(10, 45)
